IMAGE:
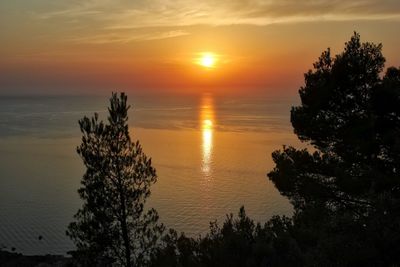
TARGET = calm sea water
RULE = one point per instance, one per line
(211, 155)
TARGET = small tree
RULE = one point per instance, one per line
(112, 228)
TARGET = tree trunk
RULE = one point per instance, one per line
(125, 235)
(124, 229)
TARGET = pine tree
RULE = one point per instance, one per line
(346, 193)
(112, 227)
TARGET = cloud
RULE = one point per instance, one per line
(108, 17)
(216, 12)
(125, 38)
(72, 10)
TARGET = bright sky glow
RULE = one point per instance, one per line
(180, 46)
(208, 60)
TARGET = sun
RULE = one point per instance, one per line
(207, 60)
(207, 124)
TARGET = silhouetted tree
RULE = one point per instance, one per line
(112, 227)
(346, 194)
(238, 243)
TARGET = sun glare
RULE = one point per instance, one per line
(207, 60)
(207, 122)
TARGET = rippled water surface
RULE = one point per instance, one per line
(211, 155)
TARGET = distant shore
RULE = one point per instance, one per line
(13, 259)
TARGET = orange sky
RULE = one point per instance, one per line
(64, 47)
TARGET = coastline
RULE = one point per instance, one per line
(11, 259)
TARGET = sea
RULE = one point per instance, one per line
(212, 154)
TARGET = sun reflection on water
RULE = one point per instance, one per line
(207, 124)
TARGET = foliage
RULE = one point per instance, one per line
(346, 194)
(112, 227)
(239, 242)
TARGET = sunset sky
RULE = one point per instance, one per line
(96, 46)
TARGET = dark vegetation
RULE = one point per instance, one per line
(12, 259)
(112, 227)
(345, 189)
(345, 194)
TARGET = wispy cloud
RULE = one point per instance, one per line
(126, 38)
(73, 10)
(111, 16)
(216, 12)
